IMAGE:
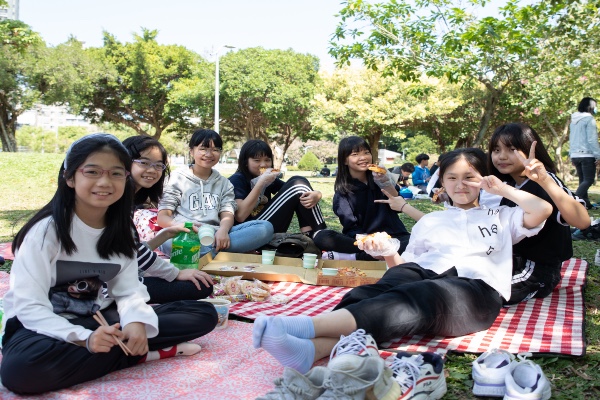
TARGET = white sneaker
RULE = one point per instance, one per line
(358, 343)
(526, 381)
(355, 377)
(489, 372)
(293, 385)
(420, 376)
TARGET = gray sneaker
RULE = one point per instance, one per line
(355, 377)
(295, 386)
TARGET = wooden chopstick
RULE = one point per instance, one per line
(100, 319)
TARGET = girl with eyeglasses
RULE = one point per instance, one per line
(201, 195)
(164, 281)
(85, 233)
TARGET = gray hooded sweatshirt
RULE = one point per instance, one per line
(196, 200)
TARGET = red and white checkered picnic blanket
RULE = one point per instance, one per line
(554, 325)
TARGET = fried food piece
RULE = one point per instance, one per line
(376, 168)
(436, 194)
(372, 235)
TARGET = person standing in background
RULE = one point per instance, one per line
(584, 150)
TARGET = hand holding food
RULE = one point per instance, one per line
(378, 244)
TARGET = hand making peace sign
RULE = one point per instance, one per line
(534, 168)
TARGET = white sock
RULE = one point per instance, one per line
(334, 255)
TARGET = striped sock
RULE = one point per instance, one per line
(300, 326)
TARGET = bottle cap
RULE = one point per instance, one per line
(189, 225)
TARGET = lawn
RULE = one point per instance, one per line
(29, 182)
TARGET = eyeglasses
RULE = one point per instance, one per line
(158, 166)
(214, 150)
(117, 174)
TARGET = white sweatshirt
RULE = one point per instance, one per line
(478, 242)
(41, 267)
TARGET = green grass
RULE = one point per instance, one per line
(29, 183)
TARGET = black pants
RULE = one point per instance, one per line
(162, 291)
(586, 172)
(410, 300)
(532, 279)
(334, 241)
(280, 210)
(34, 363)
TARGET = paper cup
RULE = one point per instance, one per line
(268, 257)
(309, 260)
(222, 307)
(206, 234)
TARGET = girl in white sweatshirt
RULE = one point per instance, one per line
(81, 240)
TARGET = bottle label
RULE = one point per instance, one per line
(185, 253)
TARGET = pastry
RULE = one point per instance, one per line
(376, 168)
(258, 294)
(363, 238)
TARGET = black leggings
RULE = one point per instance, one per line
(329, 240)
(162, 291)
(280, 210)
(34, 363)
(532, 279)
(410, 300)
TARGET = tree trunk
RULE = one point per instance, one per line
(7, 130)
(373, 140)
(490, 105)
(561, 168)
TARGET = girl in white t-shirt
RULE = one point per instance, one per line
(80, 241)
(449, 281)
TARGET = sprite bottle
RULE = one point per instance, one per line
(185, 250)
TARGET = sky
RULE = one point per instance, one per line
(200, 25)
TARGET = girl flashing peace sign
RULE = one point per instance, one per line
(518, 157)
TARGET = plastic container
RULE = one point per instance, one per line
(185, 250)
(222, 307)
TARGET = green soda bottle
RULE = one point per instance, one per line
(185, 250)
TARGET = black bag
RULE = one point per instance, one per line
(292, 245)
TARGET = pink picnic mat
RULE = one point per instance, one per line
(228, 367)
(554, 325)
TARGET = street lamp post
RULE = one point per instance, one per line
(217, 87)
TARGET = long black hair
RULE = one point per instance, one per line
(135, 145)
(520, 136)
(117, 236)
(343, 179)
(251, 149)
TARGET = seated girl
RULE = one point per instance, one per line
(201, 195)
(354, 202)
(450, 280)
(164, 281)
(262, 196)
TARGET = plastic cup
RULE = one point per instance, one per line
(268, 257)
(222, 307)
(206, 233)
(309, 260)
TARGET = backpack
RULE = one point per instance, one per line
(292, 245)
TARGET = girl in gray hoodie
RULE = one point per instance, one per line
(201, 195)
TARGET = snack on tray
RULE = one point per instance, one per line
(246, 286)
(363, 238)
(259, 294)
(232, 285)
(350, 271)
(261, 285)
(376, 168)
(235, 298)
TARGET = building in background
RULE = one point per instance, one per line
(49, 118)
(10, 12)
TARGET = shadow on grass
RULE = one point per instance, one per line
(11, 221)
